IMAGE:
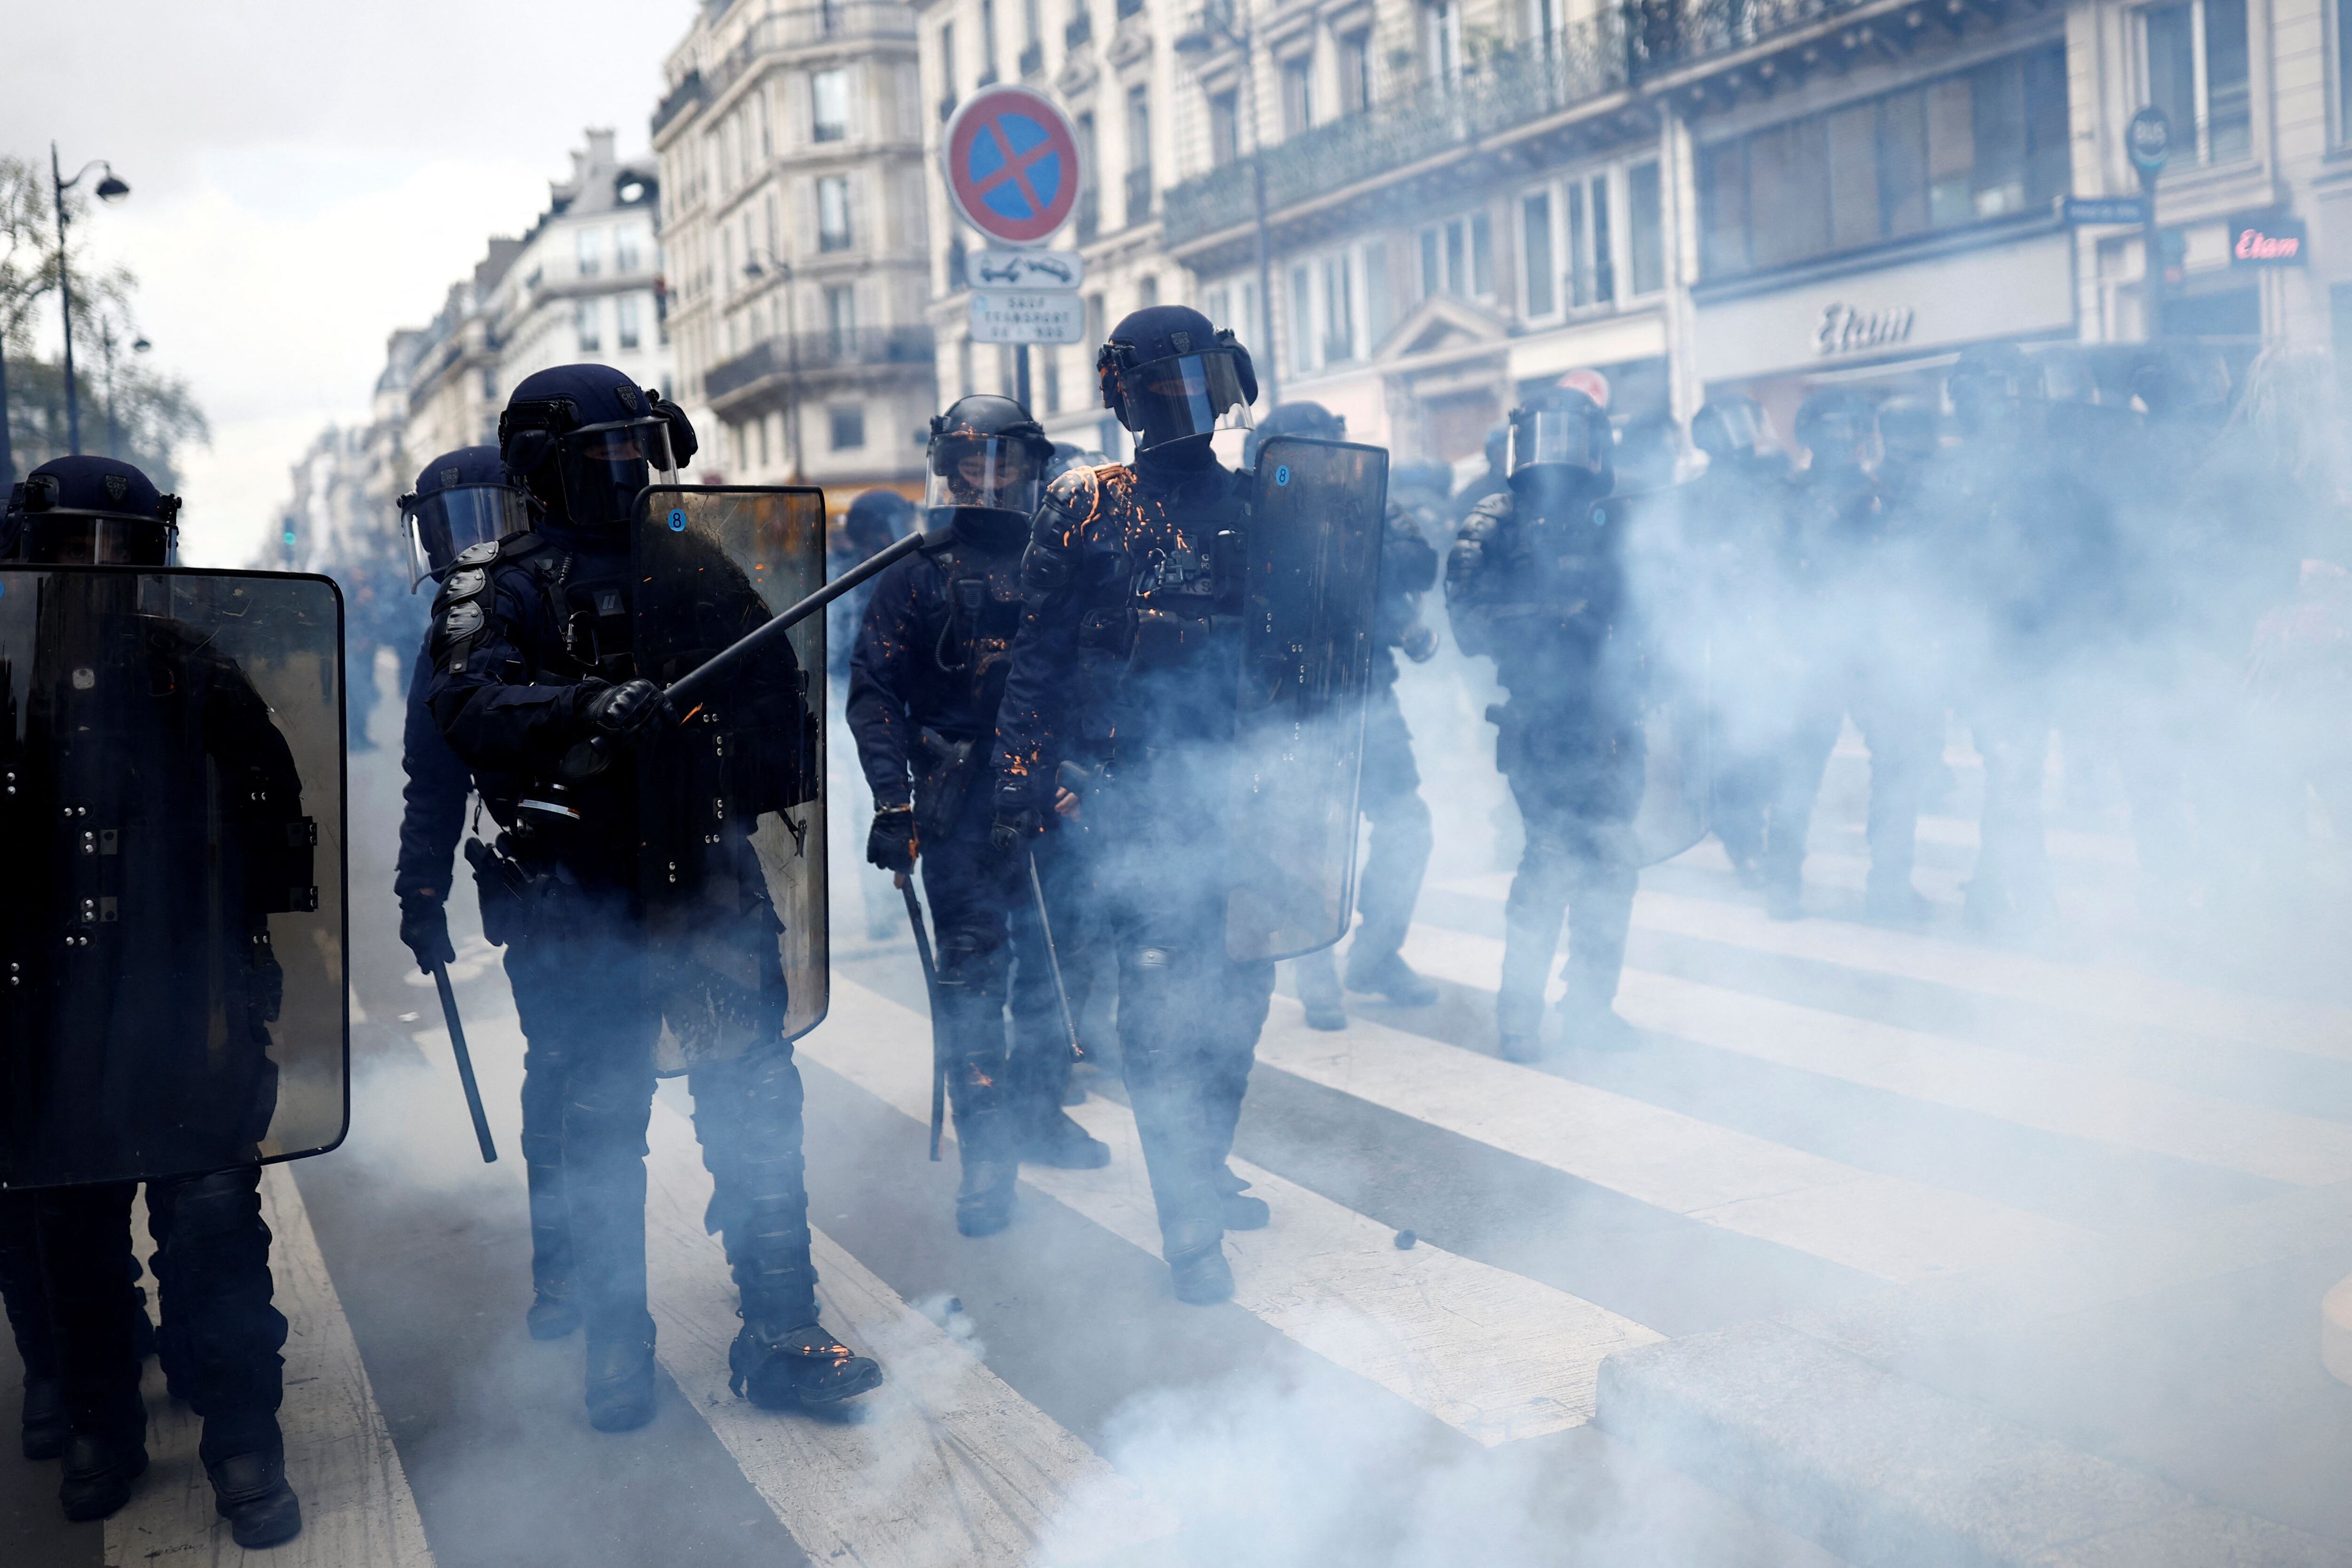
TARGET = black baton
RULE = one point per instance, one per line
(465, 1063)
(939, 1037)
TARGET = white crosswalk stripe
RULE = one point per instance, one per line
(1496, 1355)
(1938, 1068)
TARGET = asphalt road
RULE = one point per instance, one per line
(1824, 1118)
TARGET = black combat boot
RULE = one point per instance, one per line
(984, 1197)
(621, 1380)
(1196, 1263)
(1237, 1208)
(1056, 1138)
(246, 1460)
(45, 1426)
(780, 1369)
(99, 1469)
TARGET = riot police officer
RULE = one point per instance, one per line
(931, 665)
(1729, 522)
(536, 689)
(464, 498)
(1126, 662)
(1853, 619)
(220, 1334)
(1536, 582)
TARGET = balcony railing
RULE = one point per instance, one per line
(1642, 38)
(1138, 196)
(850, 21)
(805, 352)
(688, 94)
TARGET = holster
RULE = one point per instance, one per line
(505, 890)
(943, 781)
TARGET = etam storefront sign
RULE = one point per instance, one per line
(1996, 291)
(2267, 239)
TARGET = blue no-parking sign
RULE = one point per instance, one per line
(1011, 164)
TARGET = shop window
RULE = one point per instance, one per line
(1534, 230)
(2196, 73)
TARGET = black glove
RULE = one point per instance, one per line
(682, 444)
(890, 842)
(628, 712)
(425, 927)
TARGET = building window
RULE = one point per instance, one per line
(1534, 227)
(1297, 95)
(1985, 143)
(1138, 128)
(625, 309)
(946, 69)
(625, 255)
(833, 213)
(1441, 39)
(1033, 23)
(585, 325)
(1645, 235)
(1225, 129)
(590, 243)
(763, 443)
(1096, 328)
(1338, 311)
(1089, 209)
(829, 105)
(1355, 73)
(1459, 258)
(1051, 374)
(1591, 265)
(840, 319)
(1147, 292)
(1302, 312)
(987, 42)
(848, 422)
(2196, 73)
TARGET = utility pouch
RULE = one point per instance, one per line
(944, 782)
(504, 890)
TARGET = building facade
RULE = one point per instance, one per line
(1465, 199)
(790, 144)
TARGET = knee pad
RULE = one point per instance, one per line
(972, 957)
(207, 1210)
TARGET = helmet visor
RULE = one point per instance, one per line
(1562, 437)
(447, 523)
(604, 469)
(1181, 397)
(62, 538)
(999, 472)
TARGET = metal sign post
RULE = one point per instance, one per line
(1011, 162)
(2148, 139)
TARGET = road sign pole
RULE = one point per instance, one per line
(2148, 139)
(1020, 378)
(2153, 306)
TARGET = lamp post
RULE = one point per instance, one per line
(106, 342)
(109, 189)
(754, 270)
(1194, 46)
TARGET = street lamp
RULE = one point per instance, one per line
(109, 189)
(755, 271)
(1194, 46)
(139, 344)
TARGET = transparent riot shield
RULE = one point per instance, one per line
(1310, 597)
(731, 838)
(172, 852)
(1669, 639)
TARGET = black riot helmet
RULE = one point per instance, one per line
(1991, 387)
(1301, 418)
(586, 442)
(876, 520)
(988, 461)
(1840, 428)
(2183, 383)
(1563, 438)
(1068, 455)
(462, 498)
(91, 511)
(1735, 433)
(1171, 377)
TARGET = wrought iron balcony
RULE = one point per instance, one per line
(688, 94)
(806, 354)
(1635, 42)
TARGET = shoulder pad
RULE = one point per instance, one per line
(1075, 493)
(465, 584)
(480, 554)
(461, 621)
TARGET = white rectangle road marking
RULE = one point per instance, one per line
(357, 1509)
(943, 1465)
(1497, 1357)
(2054, 1097)
(2099, 991)
(1885, 1227)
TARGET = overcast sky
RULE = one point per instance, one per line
(307, 177)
